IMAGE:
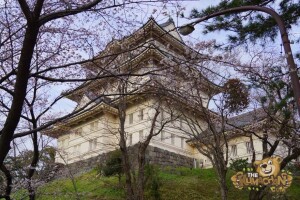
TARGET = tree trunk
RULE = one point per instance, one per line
(35, 160)
(123, 147)
(221, 167)
(127, 169)
(223, 187)
(141, 173)
(20, 87)
(256, 195)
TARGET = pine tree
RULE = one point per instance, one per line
(251, 26)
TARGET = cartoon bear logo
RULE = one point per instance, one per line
(267, 173)
(268, 166)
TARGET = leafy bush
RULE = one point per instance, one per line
(153, 181)
(238, 164)
(114, 165)
(294, 168)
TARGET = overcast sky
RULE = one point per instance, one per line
(162, 15)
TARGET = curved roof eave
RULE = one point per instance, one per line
(65, 126)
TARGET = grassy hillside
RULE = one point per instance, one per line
(178, 184)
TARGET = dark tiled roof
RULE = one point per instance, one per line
(93, 97)
(240, 121)
(247, 118)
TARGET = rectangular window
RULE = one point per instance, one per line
(78, 131)
(94, 126)
(233, 150)
(248, 147)
(180, 121)
(130, 139)
(95, 143)
(162, 136)
(141, 135)
(201, 163)
(195, 163)
(76, 149)
(172, 139)
(141, 114)
(182, 142)
(92, 144)
(131, 118)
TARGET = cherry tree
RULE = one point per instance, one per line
(267, 74)
(43, 44)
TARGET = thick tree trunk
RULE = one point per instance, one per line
(224, 190)
(141, 173)
(33, 166)
(20, 87)
(123, 146)
(127, 172)
(256, 195)
(223, 185)
(221, 168)
(140, 185)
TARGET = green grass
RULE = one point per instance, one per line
(176, 184)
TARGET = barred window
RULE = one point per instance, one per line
(162, 136)
(233, 150)
(76, 149)
(131, 118)
(78, 131)
(130, 139)
(141, 135)
(182, 142)
(141, 114)
(94, 126)
(248, 147)
(172, 139)
(92, 144)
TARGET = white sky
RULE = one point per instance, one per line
(67, 105)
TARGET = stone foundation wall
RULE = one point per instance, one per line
(154, 155)
(165, 158)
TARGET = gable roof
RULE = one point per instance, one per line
(246, 118)
(150, 31)
(63, 127)
(170, 27)
(240, 121)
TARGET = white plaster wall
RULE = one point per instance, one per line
(240, 143)
(105, 137)
(106, 134)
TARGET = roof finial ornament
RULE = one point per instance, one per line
(170, 19)
(168, 22)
